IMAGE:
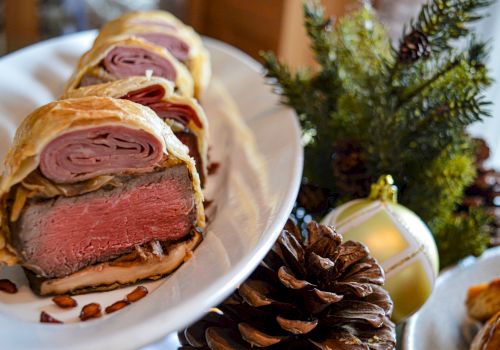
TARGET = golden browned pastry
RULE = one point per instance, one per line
(119, 58)
(97, 192)
(163, 29)
(183, 114)
(488, 338)
(483, 300)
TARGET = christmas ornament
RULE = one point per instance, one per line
(397, 238)
(313, 293)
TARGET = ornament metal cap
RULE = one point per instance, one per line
(384, 190)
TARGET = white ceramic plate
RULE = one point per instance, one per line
(253, 193)
(442, 322)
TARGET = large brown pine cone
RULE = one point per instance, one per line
(318, 293)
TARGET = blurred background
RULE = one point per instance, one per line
(249, 25)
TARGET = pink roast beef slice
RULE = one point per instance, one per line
(127, 61)
(177, 47)
(146, 95)
(60, 236)
(86, 153)
(152, 95)
(176, 111)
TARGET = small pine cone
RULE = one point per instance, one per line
(414, 46)
(313, 199)
(484, 192)
(349, 170)
(317, 293)
(482, 152)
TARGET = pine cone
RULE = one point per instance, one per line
(414, 46)
(349, 170)
(318, 293)
(313, 199)
(485, 190)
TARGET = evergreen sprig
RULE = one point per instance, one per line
(406, 117)
(443, 21)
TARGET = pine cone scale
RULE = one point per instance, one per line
(292, 252)
(323, 240)
(195, 336)
(319, 300)
(365, 273)
(359, 289)
(343, 341)
(352, 311)
(296, 326)
(222, 339)
(350, 253)
(258, 338)
(253, 292)
(381, 298)
(290, 281)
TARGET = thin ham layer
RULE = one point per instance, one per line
(177, 47)
(126, 61)
(152, 96)
(86, 153)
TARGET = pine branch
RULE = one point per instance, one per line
(442, 21)
(433, 32)
(415, 91)
(298, 90)
(292, 88)
(319, 31)
(464, 75)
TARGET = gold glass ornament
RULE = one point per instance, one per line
(397, 238)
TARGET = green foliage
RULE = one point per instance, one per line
(463, 231)
(408, 116)
(442, 180)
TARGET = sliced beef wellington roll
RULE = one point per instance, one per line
(183, 114)
(165, 30)
(118, 58)
(97, 192)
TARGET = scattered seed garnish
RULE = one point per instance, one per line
(7, 286)
(117, 306)
(64, 301)
(46, 318)
(92, 310)
(138, 293)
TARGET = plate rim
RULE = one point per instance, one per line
(240, 271)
